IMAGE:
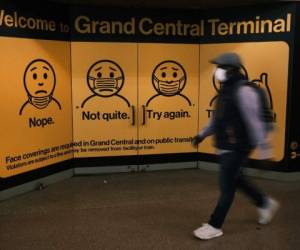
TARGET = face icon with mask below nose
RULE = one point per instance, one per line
(105, 78)
(39, 80)
(169, 78)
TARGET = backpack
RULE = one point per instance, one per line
(266, 113)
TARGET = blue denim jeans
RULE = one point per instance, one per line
(231, 178)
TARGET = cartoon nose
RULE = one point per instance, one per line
(40, 83)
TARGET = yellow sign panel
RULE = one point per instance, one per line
(168, 97)
(36, 125)
(265, 63)
(104, 83)
(151, 102)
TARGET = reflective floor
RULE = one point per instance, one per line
(154, 210)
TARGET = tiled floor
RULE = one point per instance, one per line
(156, 210)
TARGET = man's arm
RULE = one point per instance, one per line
(250, 107)
(207, 131)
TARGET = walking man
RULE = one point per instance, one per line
(238, 128)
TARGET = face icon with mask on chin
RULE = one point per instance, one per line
(105, 78)
(39, 81)
(169, 78)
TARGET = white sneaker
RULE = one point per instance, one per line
(266, 214)
(207, 232)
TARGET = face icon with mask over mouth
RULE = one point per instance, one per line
(169, 78)
(39, 80)
(105, 78)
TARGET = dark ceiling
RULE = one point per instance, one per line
(199, 4)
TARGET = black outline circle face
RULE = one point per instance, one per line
(39, 78)
(215, 82)
(109, 75)
(169, 73)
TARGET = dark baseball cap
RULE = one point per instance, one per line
(228, 60)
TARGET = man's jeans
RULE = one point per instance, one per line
(231, 178)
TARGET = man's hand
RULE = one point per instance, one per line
(196, 140)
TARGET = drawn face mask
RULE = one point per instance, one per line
(40, 102)
(105, 84)
(220, 75)
(169, 88)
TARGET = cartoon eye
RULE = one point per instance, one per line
(45, 76)
(111, 74)
(174, 74)
(99, 75)
(34, 76)
(163, 74)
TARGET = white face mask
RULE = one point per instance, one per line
(220, 75)
(40, 102)
(169, 88)
(107, 84)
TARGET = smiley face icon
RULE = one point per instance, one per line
(39, 82)
(169, 79)
(105, 78)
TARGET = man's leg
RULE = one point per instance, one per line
(257, 196)
(267, 207)
(229, 173)
(230, 164)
